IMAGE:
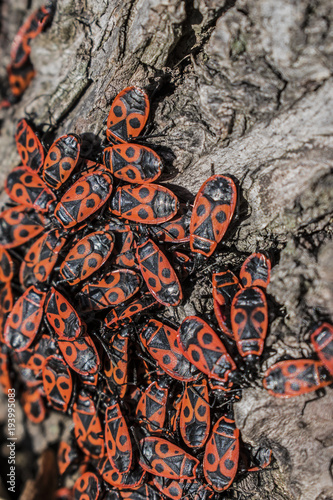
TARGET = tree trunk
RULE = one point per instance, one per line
(242, 88)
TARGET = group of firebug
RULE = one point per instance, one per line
(98, 250)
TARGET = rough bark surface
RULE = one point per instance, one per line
(240, 87)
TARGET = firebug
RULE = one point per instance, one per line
(194, 419)
(29, 146)
(114, 288)
(87, 255)
(19, 225)
(87, 486)
(294, 377)
(249, 320)
(87, 426)
(147, 203)
(204, 349)
(133, 163)
(87, 195)
(158, 274)
(151, 408)
(57, 382)
(162, 458)
(222, 454)
(213, 209)
(81, 355)
(23, 322)
(255, 271)
(322, 341)
(61, 160)
(225, 287)
(117, 438)
(162, 344)
(62, 316)
(128, 115)
(41, 258)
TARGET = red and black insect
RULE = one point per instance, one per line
(213, 209)
(124, 235)
(124, 238)
(87, 195)
(6, 266)
(222, 454)
(126, 313)
(162, 344)
(87, 426)
(19, 225)
(204, 349)
(322, 341)
(115, 288)
(88, 255)
(32, 26)
(174, 411)
(41, 258)
(29, 364)
(194, 417)
(61, 160)
(6, 305)
(178, 490)
(81, 355)
(116, 363)
(24, 320)
(171, 488)
(126, 260)
(27, 188)
(6, 300)
(162, 458)
(63, 494)
(33, 404)
(143, 492)
(174, 231)
(128, 115)
(57, 382)
(225, 287)
(151, 407)
(294, 377)
(147, 204)
(158, 274)
(255, 271)
(249, 320)
(30, 361)
(87, 486)
(67, 456)
(117, 438)
(133, 163)
(132, 479)
(29, 146)
(19, 80)
(62, 316)
(5, 381)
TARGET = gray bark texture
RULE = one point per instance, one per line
(242, 88)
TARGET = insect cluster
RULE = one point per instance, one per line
(96, 253)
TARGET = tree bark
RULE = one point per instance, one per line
(239, 87)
